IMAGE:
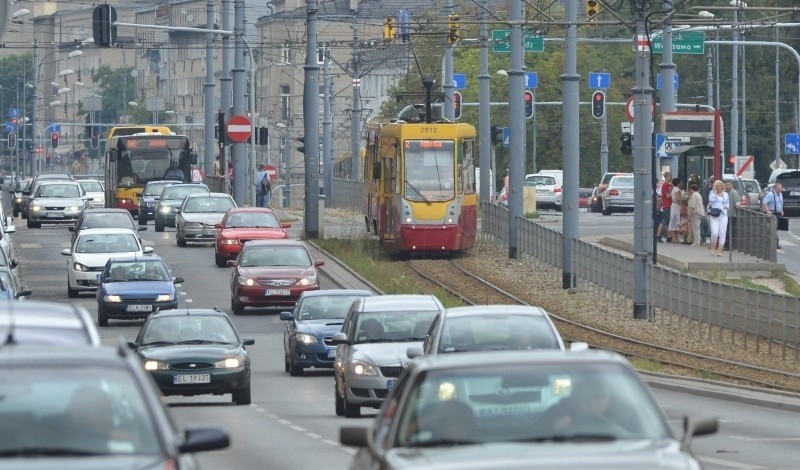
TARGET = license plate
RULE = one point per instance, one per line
(207, 232)
(277, 292)
(55, 215)
(139, 308)
(794, 193)
(332, 353)
(191, 379)
(390, 384)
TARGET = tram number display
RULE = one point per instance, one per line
(147, 143)
(424, 144)
(429, 130)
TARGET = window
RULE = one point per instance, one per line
(322, 51)
(286, 102)
(286, 53)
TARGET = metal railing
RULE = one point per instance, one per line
(753, 233)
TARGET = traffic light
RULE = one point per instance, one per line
(104, 31)
(454, 26)
(528, 104)
(222, 136)
(263, 135)
(457, 104)
(496, 135)
(54, 140)
(95, 139)
(626, 148)
(389, 30)
(592, 8)
(12, 140)
(302, 148)
(598, 104)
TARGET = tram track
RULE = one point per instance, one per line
(473, 289)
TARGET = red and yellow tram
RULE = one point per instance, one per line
(420, 186)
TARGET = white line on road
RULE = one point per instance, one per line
(297, 428)
(313, 436)
(729, 464)
(303, 430)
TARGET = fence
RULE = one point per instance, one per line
(753, 233)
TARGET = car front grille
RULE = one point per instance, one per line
(140, 300)
(277, 282)
(328, 341)
(391, 371)
(192, 366)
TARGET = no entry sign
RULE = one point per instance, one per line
(239, 128)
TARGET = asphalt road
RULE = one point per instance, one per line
(291, 422)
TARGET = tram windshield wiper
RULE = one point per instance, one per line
(416, 190)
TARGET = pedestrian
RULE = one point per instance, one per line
(718, 204)
(665, 192)
(736, 201)
(773, 204)
(197, 174)
(217, 166)
(262, 171)
(266, 184)
(696, 212)
(675, 209)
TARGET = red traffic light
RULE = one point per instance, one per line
(598, 104)
(54, 140)
(732, 159)
(457, 104)
(528, 104)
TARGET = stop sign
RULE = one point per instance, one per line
(239, 128)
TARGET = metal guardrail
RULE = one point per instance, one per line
(753, 233)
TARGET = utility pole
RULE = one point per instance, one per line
(516, 107)
(735, 88)
(311, 124)
(484, 114)
(642, 163)
(355, 111)
(448, 111)
(570, 130)
(208, 94)
(667, 67)
(225, 85)
(239, 189)
(34, 156)
(327, 125)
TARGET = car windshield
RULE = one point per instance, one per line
(326, 308)
(789, 180)
(252, 219)
(91, 186)
(622, 182)
(496, 332)
(179, 192)
(140, 270)
(189, 329)
(537, 180)
(58, 190)
(74, 411)
(107, 243)
(393, 326)
(267, 256)
(154, 189)
(751, 186)
(521, 403)
(208, 204)
(107, 220)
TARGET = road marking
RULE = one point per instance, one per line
(298, 428)
(728, 463)
(34, 246)
(313, 436)
(283, 421)
(188, 301)
(303, 430)
(331, 443)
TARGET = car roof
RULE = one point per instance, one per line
(48, 182)
(275, 242)
(335, 293)
(209, 194)
(145, 257)
(27, 355)
(593, 357)
(111, 231)
(399, 302)
(250, 209)
(189, 312)
(105, 210)
(475, 310)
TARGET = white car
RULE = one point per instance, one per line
(198, 215)
(95, 193)
(92, 248)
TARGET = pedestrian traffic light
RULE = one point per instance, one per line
(104, 29)
(598, 104)
(302, 148)
(626, 148)
(528, 104)
(456, 104)
(592, 8)
(12, 140)
(454, 28)
(389, 30)
(496, 135)
(95, 139)
(54, 140)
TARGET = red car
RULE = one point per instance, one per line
(272, 273)
(241, 224)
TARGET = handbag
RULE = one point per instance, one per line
(783, 224)
(714, 211)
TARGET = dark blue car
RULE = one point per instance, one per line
(148, 199)
(316, 317)
(133, 287)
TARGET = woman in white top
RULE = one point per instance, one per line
(675, 210)
(718, 199)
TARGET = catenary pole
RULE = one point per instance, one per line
(208, 95)
(516, 107)
(570, 131)
(311, 124)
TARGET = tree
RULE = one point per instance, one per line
(118, 88)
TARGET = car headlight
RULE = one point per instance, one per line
(155, 365)
(72, 209)
(229, 241)
(308, 281)
(164, 298)
(112, 298)
(165, 209)
(306, 338)
(362, 368)
(80, 267)
(17, 200)
(245, 281)
(229, 363)
(36, 208)
(98, 199)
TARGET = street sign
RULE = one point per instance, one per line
(629, 108)
(506, 136)
(13, 112)
(792, 144)
(460, 81)
(686, 42)
(239, 128)
(599, 80)
(674, 82)
(664, 145)
(531, 43)
(531, 79)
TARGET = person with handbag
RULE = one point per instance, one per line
(718, 203)
(696, 212)
(773, 204)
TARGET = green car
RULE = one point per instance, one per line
(195, 352)
(171, 199)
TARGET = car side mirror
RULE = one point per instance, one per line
(178, 280)
(286, 225)
(319, 262)
(339, 338)
(138, 194)
(200, 439)
(414, 352)
(71, 229)
(697, 427)
(23, 293)
(248, 341)
(131, 345)
(286, 316)
(148, 249)
(66, 252)
(141, 228)
(11, 228)
(14, 263)
(232, 263)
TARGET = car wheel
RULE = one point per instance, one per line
(242, 396)
(237, 308)
(180, 240)
(15, 212)
(339, 402)
(158, 226)
(71, 293)
(606, 211)
(350, 411)
(102, 318)
(295, 371)
(142, 220)
(220, 260)
(32, 224)
(286, 366)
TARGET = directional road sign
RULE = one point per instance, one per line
(531, 79)
(686, 42)
(664, 144)
(500, 41)
(506, 136)
(792, 143)
(460, 81)
(13, 112)
(674, 82)
(599, 80)
(239, 128)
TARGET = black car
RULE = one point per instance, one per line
(17, 196)
(171, 199)
(103, 217)
(88, 407)
(195, 352)
(148, 199)
(791, 191)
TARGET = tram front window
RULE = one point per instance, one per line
(429, 170)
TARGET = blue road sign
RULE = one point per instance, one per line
(13, 112)
(792, 143)
(9, 127)
(506, 134)
(460, 81)
(531, 79)
(663, 144)
(674, 82)
(599, 80)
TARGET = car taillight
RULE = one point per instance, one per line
(613, 192)
(557, 189)
(744, 200)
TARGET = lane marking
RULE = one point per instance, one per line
(728, 463)
(303, 430)
(298, 428)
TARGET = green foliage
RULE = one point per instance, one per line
(15, 71)
(118, 88)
